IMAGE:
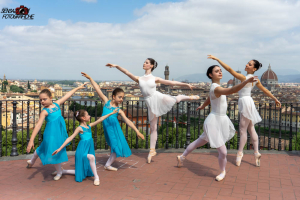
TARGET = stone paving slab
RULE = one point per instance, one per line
(277, 178)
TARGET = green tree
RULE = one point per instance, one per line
(90, 109)
(28, 86)
(15, 88)
(51, 83)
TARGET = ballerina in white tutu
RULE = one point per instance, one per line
(217, 127)
(158, 103)
(248, 113)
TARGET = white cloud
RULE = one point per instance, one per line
(180, 34)
(5, 3)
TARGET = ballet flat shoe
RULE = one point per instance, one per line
(57, 177)
(29, 165)
(220, 178)
(110, 168)
(97, 182)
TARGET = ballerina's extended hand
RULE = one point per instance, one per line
(85, 75)
(212, 57)
(82, 86)
(111, 65)
(190, 86)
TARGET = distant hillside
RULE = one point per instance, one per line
(282, 78)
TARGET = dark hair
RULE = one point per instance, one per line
(210, 69)
(257, 64)
(78, 114)
(47, 92)
(116, 91)
(152, 62)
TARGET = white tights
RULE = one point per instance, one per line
(221, 150)
(34, 157)
(153, 122)
(91, 158)
(111, 159)
(246, 124)
(59, 170)
(57, 166)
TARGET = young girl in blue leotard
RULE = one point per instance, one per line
(85, 162)
(112, 130)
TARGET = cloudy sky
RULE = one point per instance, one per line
(67, 37)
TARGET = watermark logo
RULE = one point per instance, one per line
(21, 12)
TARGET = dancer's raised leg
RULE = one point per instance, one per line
(197, 143)
(153, 138)
(186, 98)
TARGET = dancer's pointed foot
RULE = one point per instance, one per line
(195, 97)
(110, 168)
(150, 155)
(180, 160)
(29, 164)
(257, 159)
(221, 176)
(57, 177)
(239, 157)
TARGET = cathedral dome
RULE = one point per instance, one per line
(269, 75)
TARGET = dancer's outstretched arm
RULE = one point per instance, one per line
(268, 93)
(226, 91)
(206, 103)
(103, 118)
(239, 76)
(68, 140)
(167, 82)
(96, 87)
(131, 125)
(125, 71)
(36, 129)
(69, 94)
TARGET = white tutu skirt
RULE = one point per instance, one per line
(159, 104)
(217, 130)
(248, 110)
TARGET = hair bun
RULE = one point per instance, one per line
(155, 64)
(260, 66)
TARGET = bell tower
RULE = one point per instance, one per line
(167, 72)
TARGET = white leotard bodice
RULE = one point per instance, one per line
(246, 90)
(147, 85)
(218, 105)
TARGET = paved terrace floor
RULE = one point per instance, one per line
(277, 178)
